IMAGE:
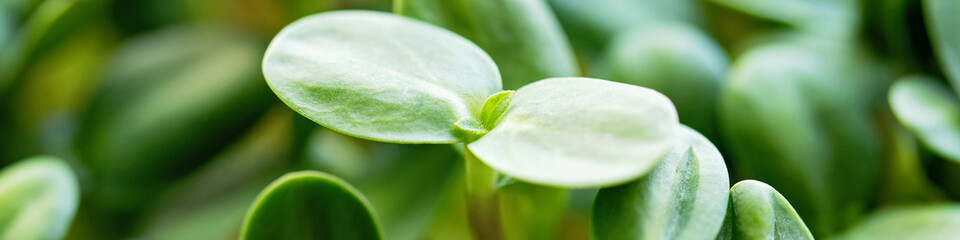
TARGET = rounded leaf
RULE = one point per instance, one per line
(580, 132)
(310, 205)
(685, 197)
(380, 76)
(930, 111)
(38, 199)
(757, 211)
(941, 19)
(920, 222)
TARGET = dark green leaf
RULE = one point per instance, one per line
(310, 205)
(685, 197)
(170, 100)
(799, 116)
(759, 212)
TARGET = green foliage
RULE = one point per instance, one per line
(930, 111)
(523, 37)
(310, 205)
(759, 212)
(685, 197)
(38, 199)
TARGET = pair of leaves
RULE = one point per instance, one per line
(310, 205)
(387, 78)
(678, 60)
(523, 37)
(688, 197)
(38, 199)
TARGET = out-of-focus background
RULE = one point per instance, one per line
(161, 108)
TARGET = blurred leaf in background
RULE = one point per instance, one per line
(169, 101)
(522, 36)
(798, 114)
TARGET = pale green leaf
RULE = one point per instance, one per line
(310, 205)
(38, 199)
(759, 212)
(930, 111)
(380, 76)
(579, 132)
(685, 197)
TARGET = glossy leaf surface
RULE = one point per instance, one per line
(918, 222)
(580, 132)
(522, 36)
(678, 60)
(38, 199)
(380, 76)
(757, 211)
(310, 205)
(941, 19)
(930, 111)
(685, 197)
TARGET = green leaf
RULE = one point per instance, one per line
(757, 211)
(944, 28)
(916, 222)
(677, 60)
(38, 199)
(524, 38)
(310, 205)
(929, 110)
(382, 77)
(685, 197)
(824, 100)
(170, 100)
(580, 132)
